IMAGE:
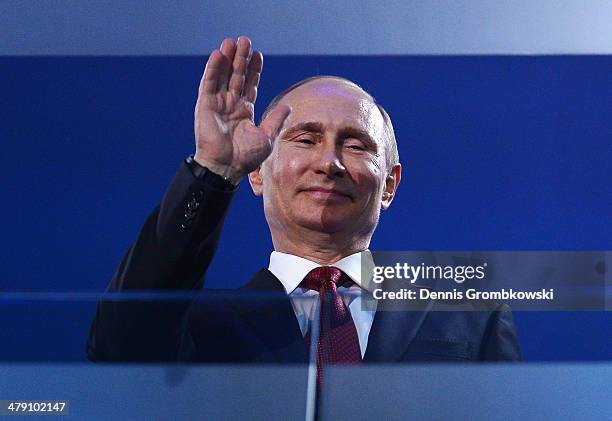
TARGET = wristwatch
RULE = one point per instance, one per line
(210, 178)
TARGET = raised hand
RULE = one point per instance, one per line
(227, 140)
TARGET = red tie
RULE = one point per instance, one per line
(338, 341)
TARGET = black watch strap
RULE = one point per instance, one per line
(210, 178)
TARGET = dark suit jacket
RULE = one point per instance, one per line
(256, 323)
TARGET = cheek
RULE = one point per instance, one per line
(368, 179)
(289, 165)
(281, 173)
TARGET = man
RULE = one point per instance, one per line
(325, 161)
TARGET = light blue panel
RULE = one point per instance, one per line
(485, 392)
(148, 392)
(415, 392)
(158, 27)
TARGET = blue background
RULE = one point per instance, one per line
(499, 152)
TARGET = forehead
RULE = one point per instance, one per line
(335, 104)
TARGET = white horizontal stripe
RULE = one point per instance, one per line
(156, 27)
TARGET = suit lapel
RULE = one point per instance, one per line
(393, 329)
(267, 310)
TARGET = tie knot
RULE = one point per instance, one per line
(322, 277)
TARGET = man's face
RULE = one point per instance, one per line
(327, 171)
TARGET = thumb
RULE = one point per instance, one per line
(273, 123)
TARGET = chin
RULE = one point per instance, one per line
(328, 221)
(329, 224)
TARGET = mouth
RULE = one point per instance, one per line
(326, 194)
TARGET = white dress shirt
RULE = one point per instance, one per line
(291, 270)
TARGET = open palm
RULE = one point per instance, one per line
(227, 140)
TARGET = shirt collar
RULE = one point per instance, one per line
(291, 269)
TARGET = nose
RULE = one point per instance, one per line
(330, 162)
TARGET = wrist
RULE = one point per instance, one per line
(226, 172)
(209, 177)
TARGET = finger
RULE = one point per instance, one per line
(210, 79)
(252, 77)
(239, 65)
(228, 50)
(273, 123)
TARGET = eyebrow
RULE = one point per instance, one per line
(360, 134)
(347, 131)
(309, 126)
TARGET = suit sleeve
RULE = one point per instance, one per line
(171, 253)
(501, 341)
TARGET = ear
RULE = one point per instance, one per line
(256, 181)
(391, 183)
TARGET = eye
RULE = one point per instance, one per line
(355, 146)
(305, 141)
